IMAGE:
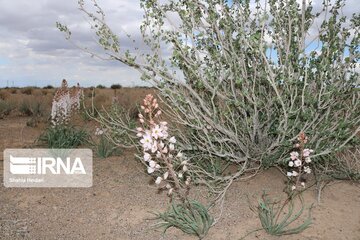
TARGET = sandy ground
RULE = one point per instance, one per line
(119, 203)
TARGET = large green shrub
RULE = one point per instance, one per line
(252, 76)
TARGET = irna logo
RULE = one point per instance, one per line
(46, 165)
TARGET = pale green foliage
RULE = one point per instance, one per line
(269, 214)
(190, 217)
(253, 76)
(6, 108)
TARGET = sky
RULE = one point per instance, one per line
(33, 52)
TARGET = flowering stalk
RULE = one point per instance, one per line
(168, 165)
(300, 160)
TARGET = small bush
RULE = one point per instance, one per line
(64, 137)
(116, 86)
(6, 108)
(100, 86)
(13, 91)
(4, 95)
(27, 91)
(48, 87)
(32, 108)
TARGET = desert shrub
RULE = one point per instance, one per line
(44, 92)
(63, 136)
(27, 90)
(6, 108)
(4, 95)
(32, 108)
(100, 86)
(13, 91)
(48, 87)
(249, 86)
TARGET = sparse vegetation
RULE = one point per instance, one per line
(100, 86)
(4, 95)
(27, 90)
(32, 108)
(64, 137)
(275, 222)
(191, 217)
(105, 148)
(6, 108)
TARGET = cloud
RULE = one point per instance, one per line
(34, 52)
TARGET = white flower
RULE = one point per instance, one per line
(307, 152)
(185, 168)
(161, 145)
(297, 163)
(152, 164)
(294, 155)
(187, 182)
(157, 166)
(168, 186)
(158, 180)
(99, 132)
(146, 142)
(293, 188)
(147, 157)
(308, 160)
(166, 174)
(171, 147)
(303, 184)
(157, 132)
(180, 175)
(154, 147)
(158, 154)
(307, 169)
(294, 173)
(139, 134)
(183, 162)
(291, 164)
(179, 155)
(170, 191)
(150, 170)
(139, 129)
(172, 140)
(289, 174)
(165, 150)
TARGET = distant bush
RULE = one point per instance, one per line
(32, 108)
(6, 108)
(48, 87)
(116, 86)
(27, 91)
(100, 86)
(64, 137)
(4, 95)
(13, 91)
